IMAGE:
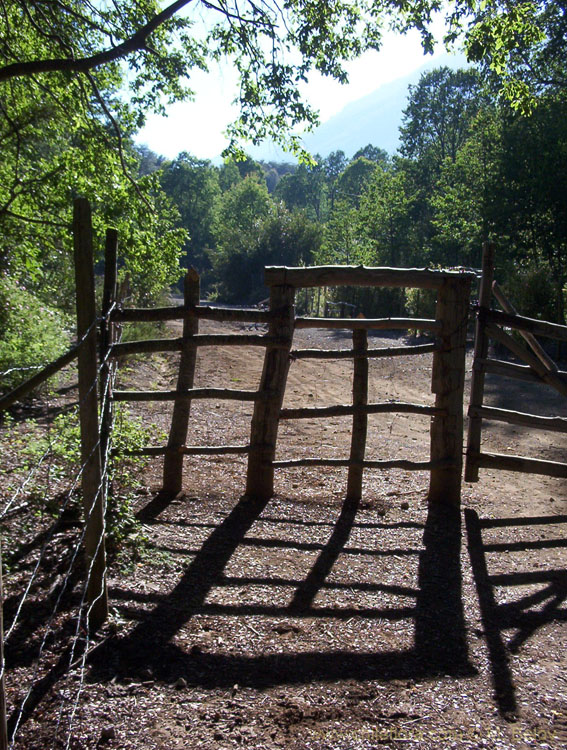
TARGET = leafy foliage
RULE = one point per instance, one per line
(31, 333)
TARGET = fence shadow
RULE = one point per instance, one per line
(440, 646)
(526, 613)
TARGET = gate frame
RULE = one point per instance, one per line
(538, 367)
(448, 374)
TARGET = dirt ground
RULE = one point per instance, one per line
(308, 622)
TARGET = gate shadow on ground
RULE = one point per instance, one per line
(526, 613)
(440, 646)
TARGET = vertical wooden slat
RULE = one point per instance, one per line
(265, 420)
(448, 386)
(173, 461)
(480, 353)
(107, 338)
(91, 479)
(359, 420)
(3, 727)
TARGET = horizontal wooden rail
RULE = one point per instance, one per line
(554, 424)
(398, 407)
(529, 338)
(392, 351)
(179, 312)
(191, 393)
(399, 463)
(213, 339)
(532, 325)
(522, 464)
(186, 450)
(36, 380)
(510, 370)
(525, 354)
(314, 276)
(378, 324)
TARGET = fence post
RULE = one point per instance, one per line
(265, 420)
(360, 419)
(106, 341)
(91, 479)
(480, 352)
(448, 383)
(3, 726)
(173, 459)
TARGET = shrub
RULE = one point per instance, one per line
(31, 333)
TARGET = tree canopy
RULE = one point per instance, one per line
(78, 78)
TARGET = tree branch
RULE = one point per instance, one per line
(84, 64)
(118, 132)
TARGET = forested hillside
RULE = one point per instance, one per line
(469, 169)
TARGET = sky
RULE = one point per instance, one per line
(197, 126)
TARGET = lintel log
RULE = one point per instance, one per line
(265, 420)
(346, 410)
(522, 352)
(179, 312)
(173, 459)
(480, 354)
(553, 424)
(209, 339)
(522, 464)
(449, 381)
(391, 351)
(377, 324)
(323, 276)
(91, 477)
(188, 394)
(359, 419)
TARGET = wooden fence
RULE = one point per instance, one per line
(449, 327)
(538, 367)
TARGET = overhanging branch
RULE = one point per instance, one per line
(84, 64)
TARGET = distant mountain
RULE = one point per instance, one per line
(375, 119)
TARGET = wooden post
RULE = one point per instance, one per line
(448, 385)
(173, 460)
(107, 339)
(3, 726)
(360, 419)
(480, 353)
(91, 479)
(265, 420)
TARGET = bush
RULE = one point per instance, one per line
(31, 333)
(532, 292)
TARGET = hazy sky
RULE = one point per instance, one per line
(198, 126)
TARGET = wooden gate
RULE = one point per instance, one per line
(538, 367)
(449, 326)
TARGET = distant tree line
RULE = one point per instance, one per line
(469, 169)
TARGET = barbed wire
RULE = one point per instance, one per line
(66, 578)
(104, 477)
(21, 369)
(49, 625)
(84, 612)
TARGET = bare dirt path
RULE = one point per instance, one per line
(306, 623)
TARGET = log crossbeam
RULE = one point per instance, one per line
(340, 410)
(190, 393)
(391, 351)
